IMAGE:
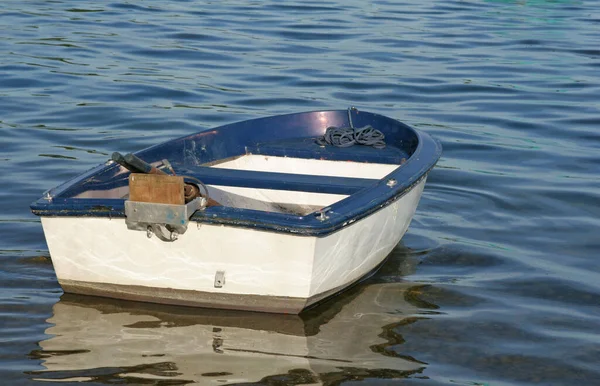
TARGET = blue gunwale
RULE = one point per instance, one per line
(245, 137)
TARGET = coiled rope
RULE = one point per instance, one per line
(348, 136)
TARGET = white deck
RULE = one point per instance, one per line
(262, 163)
(285, 200)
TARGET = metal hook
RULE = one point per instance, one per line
(350, 109)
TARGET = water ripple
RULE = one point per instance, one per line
(503, 248)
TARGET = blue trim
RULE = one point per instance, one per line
(284, 134)
(81, 207)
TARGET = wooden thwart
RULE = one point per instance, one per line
(156, 188)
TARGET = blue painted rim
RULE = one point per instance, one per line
(355, 207)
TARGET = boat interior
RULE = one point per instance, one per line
(293, 176)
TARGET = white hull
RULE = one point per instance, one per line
(265, 271)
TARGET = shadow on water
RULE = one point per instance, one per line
(353, 336)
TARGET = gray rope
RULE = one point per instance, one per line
(348, 136)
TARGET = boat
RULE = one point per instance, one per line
(273, 214)
(356, 336)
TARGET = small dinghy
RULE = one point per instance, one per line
(272, 214)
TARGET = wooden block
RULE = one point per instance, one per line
(156, 188)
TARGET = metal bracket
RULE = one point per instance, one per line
(219, 279)
(350, 110)
(149, 217)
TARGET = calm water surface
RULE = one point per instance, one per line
(497, 281)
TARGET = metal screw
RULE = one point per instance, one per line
(391, 183)
(149, 232)
(174, 236)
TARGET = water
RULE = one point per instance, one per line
(497, 281)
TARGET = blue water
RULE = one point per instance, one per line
(497, 281)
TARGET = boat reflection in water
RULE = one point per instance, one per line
(108, 341)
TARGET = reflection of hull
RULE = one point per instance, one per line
(119, 340)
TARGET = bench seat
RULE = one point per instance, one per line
(278, 181)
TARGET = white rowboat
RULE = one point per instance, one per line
(298, 220)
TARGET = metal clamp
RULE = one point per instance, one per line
(166, 221)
